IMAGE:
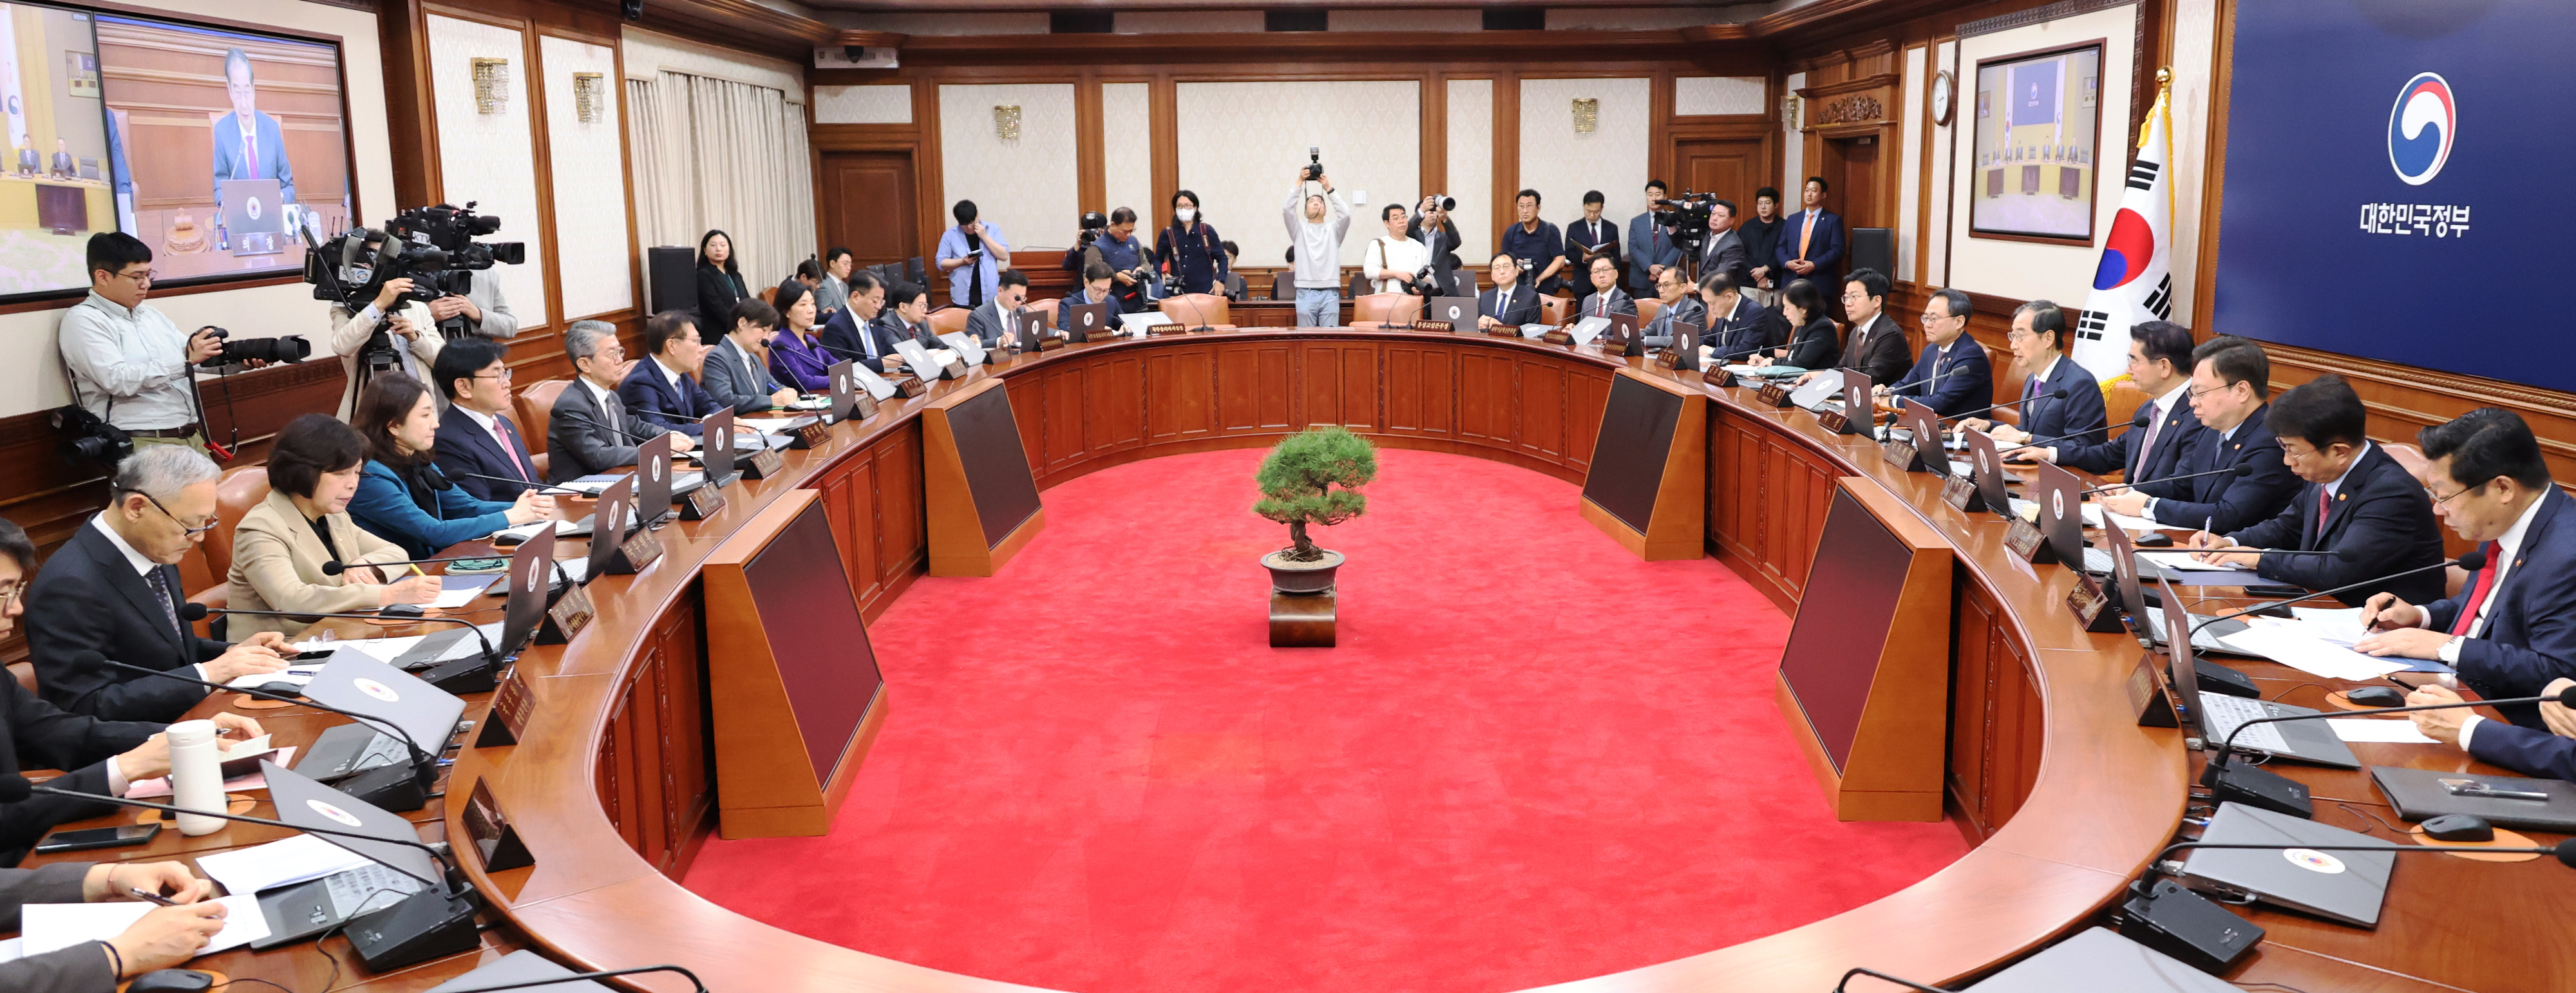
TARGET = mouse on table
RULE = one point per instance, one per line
(2376, 696)
(400, 610)
(2153, 539)
(282, 688)
(171, 981)
(2458, 827)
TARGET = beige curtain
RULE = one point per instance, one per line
(717, 154)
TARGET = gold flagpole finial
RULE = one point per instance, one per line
(2164, 77)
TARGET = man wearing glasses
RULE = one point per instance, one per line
(2230, 379)
(1874, 345)
(1953, 377)
(129, 365)
(113, 589)
(478, 448)
(2357, 502)
(2038, 339)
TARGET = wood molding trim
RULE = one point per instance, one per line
(1090, 158)
(1507, 158)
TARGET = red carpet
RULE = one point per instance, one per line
(1533, 758)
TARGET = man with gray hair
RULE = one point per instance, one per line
(588, 429)
(248, 143)
(113, 589)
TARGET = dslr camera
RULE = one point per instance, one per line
(1314, 164)
(87, 439)
(1094, 224)
(290, 348)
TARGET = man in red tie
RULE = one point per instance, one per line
(248, 142)
(2357, 502)
(478, 448)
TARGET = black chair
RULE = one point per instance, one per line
(1283, 286)
(1359, 286)
(917, 272)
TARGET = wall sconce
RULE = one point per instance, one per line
(1789, 111)
(590, 96)
(1006, 122)
(491, 86)
(1587, 114)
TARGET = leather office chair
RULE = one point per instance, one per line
(2009, 381)
(2121, 401)
(536, 407)
(1194, 309)
(1359, 286)
(1377, 310)
(25, 674)
(212, 589)
(1647, 308)
(1553, 309)
(916, 272)
(769, 294)
(1283, 285)
(949, 321)
(239, 491)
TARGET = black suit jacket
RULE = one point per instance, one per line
(40, 735)
(582, 444)
(464, 447)
(1878, 349)
(2530, 634)
(2225, 503)
(1812, 347)
(841, 337)
(81, 968)
(650, 398)
(1578, 236)
(718, 291)
(1524, 306)
(2181, 430)
(88, 597)
(2378, 517)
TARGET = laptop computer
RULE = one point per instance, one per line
(1986, 468)
(298, 911)
(2061, 517)
(611, 520)
(254, 216)
(715, 447)
(1457, 312)
(1685, 345)
(2149, 625)
(1822, 391)
(2421, 793)
(389, 697)
(1921, 426)
(1852, 397)
(1087, 319)
(845, 391)
(2099, 960)
(2211, 717)
(2346, 886)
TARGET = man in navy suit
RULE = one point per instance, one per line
(1952, 377)
(1650, 245)
(2511, 630)
(2038, 340)
(248, 144)
(2164, 428)
(1593, 233)
(660, 386)
(2229, 379)
(1736, 326)
(1811, 245)
(2358, 503)
(852, 332)
(1096, 288)
(475, 436)
(1508, 304)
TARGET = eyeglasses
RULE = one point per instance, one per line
(9, 596)
(190, 530)
(1929, 317)
(2428, 492)
(503, 375)
(1855, 297)
(139, 277)
(2020, 335)
(2197, 394)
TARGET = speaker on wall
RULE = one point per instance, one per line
(671, 273)
(1874, 248)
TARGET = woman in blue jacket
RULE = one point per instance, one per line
(402, 497)
(1190, 249)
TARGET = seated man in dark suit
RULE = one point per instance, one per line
(2229, 379)
(1096, 288)
(1508, 304)
(2038, 340)
(589, 431)
(113, 588)
(2357, 502)
(907, 318)
(1952, 378)
(477, 445)
(1875, 345)
(996, 324)
(63, 165)
(2511, 631)
(1606, 298)
(736, 371)
(661, 391)
(1681, 306)
(1735, 326)
(102, 756)
(854, 332)
(2164, 428)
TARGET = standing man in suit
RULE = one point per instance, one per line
(2358, 502)
(1726, 249)
(1953, 377)
(590, 431)
(475, 436)
(1537, 244)
(2038, 340)
(113, 588)
(1606, 298)
(996, 324)
(1673, 289)
(1511, 303)
(855, 332)
(2229, 379)
(2164, 428)
(1761, 237)
(1875, 345)
(248, 144)
(1592, 235)
(1650, 244)
(1811, 242)
(2511, 631)
(735, 372)
(662, 385)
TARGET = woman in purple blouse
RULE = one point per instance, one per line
(795, 354)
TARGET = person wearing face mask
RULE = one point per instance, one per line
(1392, 261)
(403, 497)
(281, 544)
(1190, 249)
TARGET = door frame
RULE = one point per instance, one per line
(822, 215)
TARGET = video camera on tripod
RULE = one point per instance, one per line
(1687, 215)
(434, 247)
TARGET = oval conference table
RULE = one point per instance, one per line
(2065, 798)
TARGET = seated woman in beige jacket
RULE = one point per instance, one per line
(280, 546)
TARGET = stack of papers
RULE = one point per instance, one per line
(55, 926)
(2288, 644)
(245, 872)
(2378, 729)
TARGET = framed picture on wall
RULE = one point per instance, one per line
(2038, 120)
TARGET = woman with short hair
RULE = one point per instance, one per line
(282, 546)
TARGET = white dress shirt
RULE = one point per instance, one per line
(2506, 548)
(133, 357)
(116, 784)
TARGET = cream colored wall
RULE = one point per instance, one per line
(1471, 167)
(1561, 164)
(1127, 154)
(1242, 145)
(589, 166)
(1704, 95)
(31, 377)
(485, 158)
(1028, 185)
(2029, 270)
(1909, 198)
(882, 103)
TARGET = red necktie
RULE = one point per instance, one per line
(2322, 506)
(2478, 597)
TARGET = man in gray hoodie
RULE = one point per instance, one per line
(1316, 241)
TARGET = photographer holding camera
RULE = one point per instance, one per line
(389, 334)
(1438, 236)
(1111, 241)
(1393, 261)
(130, 368)
(1317, 241)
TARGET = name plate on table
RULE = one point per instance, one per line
(1834, 421)
(2025, 540)
(1902, 455)
(1717, 377)
(954, 369)
(763, 464)
(1504, 331)
(813, 434)
(702, 503)
(2147, 694)
(1961, 494)
(638, 551)
(863, 406)
(495, 841)
(512, 704)
(1172, 328)
(1666, 359)
(2091, 607)
(909, 385)
(1775, 394)
(565, 617)
(1558, 336)
(1049, 343)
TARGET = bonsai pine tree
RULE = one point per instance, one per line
(1313, 477)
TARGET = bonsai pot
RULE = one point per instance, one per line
(1301, 578)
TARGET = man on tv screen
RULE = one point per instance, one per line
(248, 144)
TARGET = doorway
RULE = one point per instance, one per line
(868, 206)
(1852, 165)
(1731, 168)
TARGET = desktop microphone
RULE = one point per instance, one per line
(628, 432)
(1875, 974)
(2254, 786)
(2057, 394)
(2473, 561)
(527, 483)
(2240, 469)
(1196, 313)
(407, 791)
(335, 567)
(699, 987)
(15, 788)
(1928, 379)
(474, 675)
(2168, 917)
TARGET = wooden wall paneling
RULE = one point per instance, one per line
(1507, 159)
(1586, 394)
(541, 147)
(1091, 163)
(1065, 392)
(411, 108)
(1542, 408)
(1113, 405)
(1162, 103)
(1420, 394)
(903, 527)
(1180, 394)
(1972, 688)
(1434, 123)
(928, 176)
(1028, 412)
(1254, 389)
(1486, 410)
(1338, 385)
(626, 149)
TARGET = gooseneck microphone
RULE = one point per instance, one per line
(197, 612)
(700, 987)
(627, 431)
(15, 788)
(1883, 977)
(1197, 313)
(2057, 394)
(409, 792)
(2240, 469)
(2473, 561)
(522, 482)
(335, 567)
(2259, 787)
